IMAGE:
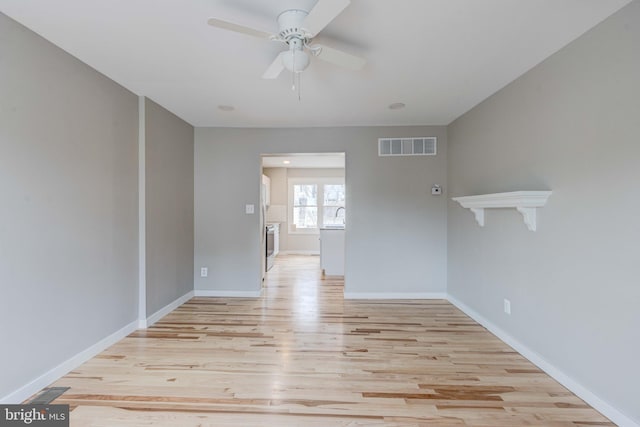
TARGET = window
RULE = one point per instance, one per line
(305, 206)
(315, 203)
(333, 204)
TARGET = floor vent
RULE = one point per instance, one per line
(48, 395)
(422, 146)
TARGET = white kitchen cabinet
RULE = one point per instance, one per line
(266, 186)
(332, 251)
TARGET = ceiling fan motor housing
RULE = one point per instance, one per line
(290, 25)
(290, 22)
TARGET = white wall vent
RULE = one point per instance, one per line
(422, 146)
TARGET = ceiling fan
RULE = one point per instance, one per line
(298, 29)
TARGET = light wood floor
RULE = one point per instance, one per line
(302, 356)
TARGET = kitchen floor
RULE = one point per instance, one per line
(303, 356)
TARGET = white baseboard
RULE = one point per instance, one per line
(299, 253)
(574, 386)
(226, 294)
(395, 295)
(64, 368)
(168, 309)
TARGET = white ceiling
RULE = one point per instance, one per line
(439, 57)
(320, 160)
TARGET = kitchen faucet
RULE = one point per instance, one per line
(338, 210)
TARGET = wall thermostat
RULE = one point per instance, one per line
(436, 190)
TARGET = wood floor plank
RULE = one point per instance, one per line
(301, 355)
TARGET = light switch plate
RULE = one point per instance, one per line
(507, 306)
(250, 209)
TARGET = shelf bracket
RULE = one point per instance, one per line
(479, 214)
(529, 215)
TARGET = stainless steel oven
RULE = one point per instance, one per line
(270, 239)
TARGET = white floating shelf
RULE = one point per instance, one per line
(525, 202)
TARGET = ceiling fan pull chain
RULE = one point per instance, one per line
(299, 86)
(293, 72)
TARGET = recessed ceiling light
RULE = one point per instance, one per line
(396, 106)
(286, 162)
(226, 108)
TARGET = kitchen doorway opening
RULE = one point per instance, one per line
(303, 205)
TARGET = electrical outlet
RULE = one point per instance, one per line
(204, 272)
(249, 209)
(507, 306)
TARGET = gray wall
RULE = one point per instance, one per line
(571, 125)
(68, 215)
(169, 206)
(396, 237)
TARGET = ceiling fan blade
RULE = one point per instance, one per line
(322, 14)
(226, 25)
(275, 68)
(339, 57)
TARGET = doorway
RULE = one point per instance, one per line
(302, 194)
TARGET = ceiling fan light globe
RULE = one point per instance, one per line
(297, 62)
